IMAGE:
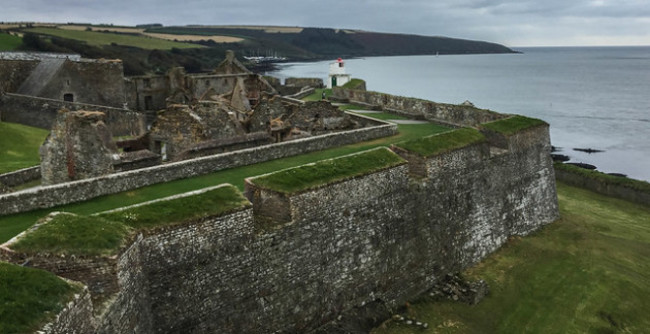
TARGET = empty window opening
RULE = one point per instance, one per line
(68, 97)
(148, 102)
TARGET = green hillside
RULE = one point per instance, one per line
(9, 42)
(106, 38)
(586, 273)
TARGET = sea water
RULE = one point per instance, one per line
(593, 97)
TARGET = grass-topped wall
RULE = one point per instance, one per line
(216, 201)
(511, 125)
(443, 142)
(324, 172)
(30, 298)
(610, 185)
(70, 234)
(106, 233)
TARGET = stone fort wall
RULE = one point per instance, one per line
(456, 115)
(41, 113)
(382, 237)
(59, 194)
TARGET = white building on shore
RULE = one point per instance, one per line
(337, 76)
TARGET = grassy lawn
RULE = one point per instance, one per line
(9, 42)
(30, 298)
(101, 38)
(13, 224)
(587, 273)
(19, 146)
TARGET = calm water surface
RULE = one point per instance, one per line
(593, 97)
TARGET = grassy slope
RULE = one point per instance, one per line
(100, 38)
(9, 42)
(19, 146)
(443, 142)
(587, 273)
(29, 298)
(14, 224)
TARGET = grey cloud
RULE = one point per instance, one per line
(512, 22)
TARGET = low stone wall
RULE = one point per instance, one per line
(21, 176)
(603, 186)
(59, 194)
(302, 82)
(41, 113)
(447, 114)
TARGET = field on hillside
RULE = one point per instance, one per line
(100, 38)
(19, 146)
(9, 42)
(586, 273)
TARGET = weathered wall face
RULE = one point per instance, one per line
(41, 113)
(91, 82)
(449, 114)
(380, 237)
(302, 82)
(76, 317)
(14, 72)
(79, 146)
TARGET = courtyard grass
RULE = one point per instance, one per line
(103, 38)
(19, 146)
(11, 225)
(586, 273)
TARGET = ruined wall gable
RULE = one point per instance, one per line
(91, 82)
(79, 146)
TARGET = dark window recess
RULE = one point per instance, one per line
(147, 83)
(148, 102)
(68, 97)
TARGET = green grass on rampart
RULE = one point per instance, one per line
(586, 273)
(353, 84)
(75, 235)
(329, 171)
(9, 42)
(10, 225)
(210, 203)
(604, 178)
(19, 146)
(511, 125)
(443, 142)
(29, 298)
(107, 38)
(104, 234)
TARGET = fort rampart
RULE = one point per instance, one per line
(59, 194)
(384, 236)
(447, 114)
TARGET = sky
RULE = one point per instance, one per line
(509, 22)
